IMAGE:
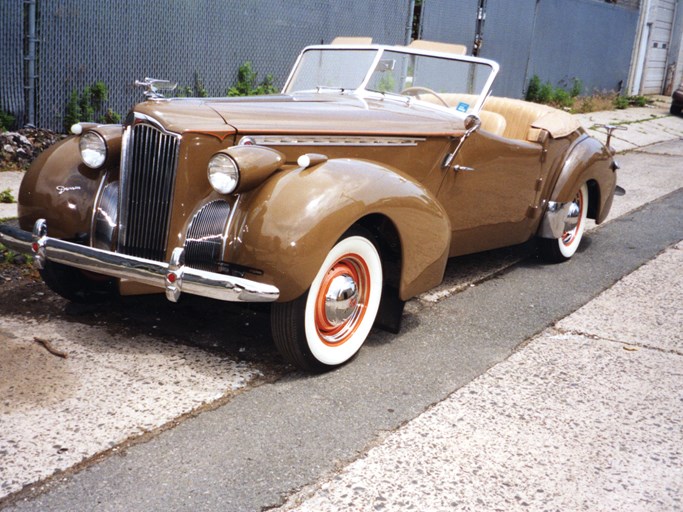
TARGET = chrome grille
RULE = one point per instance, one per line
(148, 175)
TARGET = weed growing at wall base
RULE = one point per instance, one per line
(247, 83)
(6, 120)
(572, 101)
(7, 197)
(88, 106)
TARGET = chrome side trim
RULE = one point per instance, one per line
(174, 277)
(553, 223)
(333, 140)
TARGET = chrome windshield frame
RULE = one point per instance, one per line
(380, 49)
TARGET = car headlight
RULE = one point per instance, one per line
(93, 149)
(224, 174)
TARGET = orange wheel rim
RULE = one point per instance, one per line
(332, 333)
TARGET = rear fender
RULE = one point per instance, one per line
(588, 161)
(287, 226)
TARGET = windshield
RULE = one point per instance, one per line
(331, 69)
(454, 81)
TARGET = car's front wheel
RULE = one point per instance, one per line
(557, 250)
(73, 284)
(328, 324)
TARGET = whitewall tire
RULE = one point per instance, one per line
(328, 325)
(563, 248)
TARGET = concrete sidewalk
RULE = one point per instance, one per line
(587, 416)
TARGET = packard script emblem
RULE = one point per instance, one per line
(61, 189)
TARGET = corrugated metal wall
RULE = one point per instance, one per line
(602, 37)
(449, 21)
(83, 41)
(507, 39)
(558, 40)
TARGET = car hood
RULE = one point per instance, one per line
(310, 113)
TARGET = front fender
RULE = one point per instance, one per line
(287, 226)
(588, 161)
(61, 189)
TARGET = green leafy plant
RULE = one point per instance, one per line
(533, 91)
(111, 117)
(99, 94)
(199, 88)
(6, 120)
(621, 102)
(86, 104)
(639, 101)
(89, 106)
(15, 258)
(73, 111)
(546, 93)
(247, 83)
(7, 197)
(577, 88)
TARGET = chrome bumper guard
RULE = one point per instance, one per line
(174, 276)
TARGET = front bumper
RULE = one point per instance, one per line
(174, 276)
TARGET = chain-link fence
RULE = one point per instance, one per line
(12, 57)
(84, 41)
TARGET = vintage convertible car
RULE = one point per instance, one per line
(337, 200)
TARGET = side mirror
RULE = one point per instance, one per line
(472, 124)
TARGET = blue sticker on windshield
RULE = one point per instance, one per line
(463, 107)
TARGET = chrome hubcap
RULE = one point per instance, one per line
(572, 216)
(341, 300)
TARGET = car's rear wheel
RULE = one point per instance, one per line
(73, 284)
(328, 324)
(557, 250)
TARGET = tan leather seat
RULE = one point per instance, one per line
(422, 44)
(524, 120)
(492, 122)
(520, 115)
(351, 40)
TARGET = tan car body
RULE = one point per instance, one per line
(402, 170)
(286, 224)
(337, 200)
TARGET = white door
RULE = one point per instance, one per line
(658, 47)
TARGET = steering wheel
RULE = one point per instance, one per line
(415, 91)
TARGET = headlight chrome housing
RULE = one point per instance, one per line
(93, 149)
(224, 174)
